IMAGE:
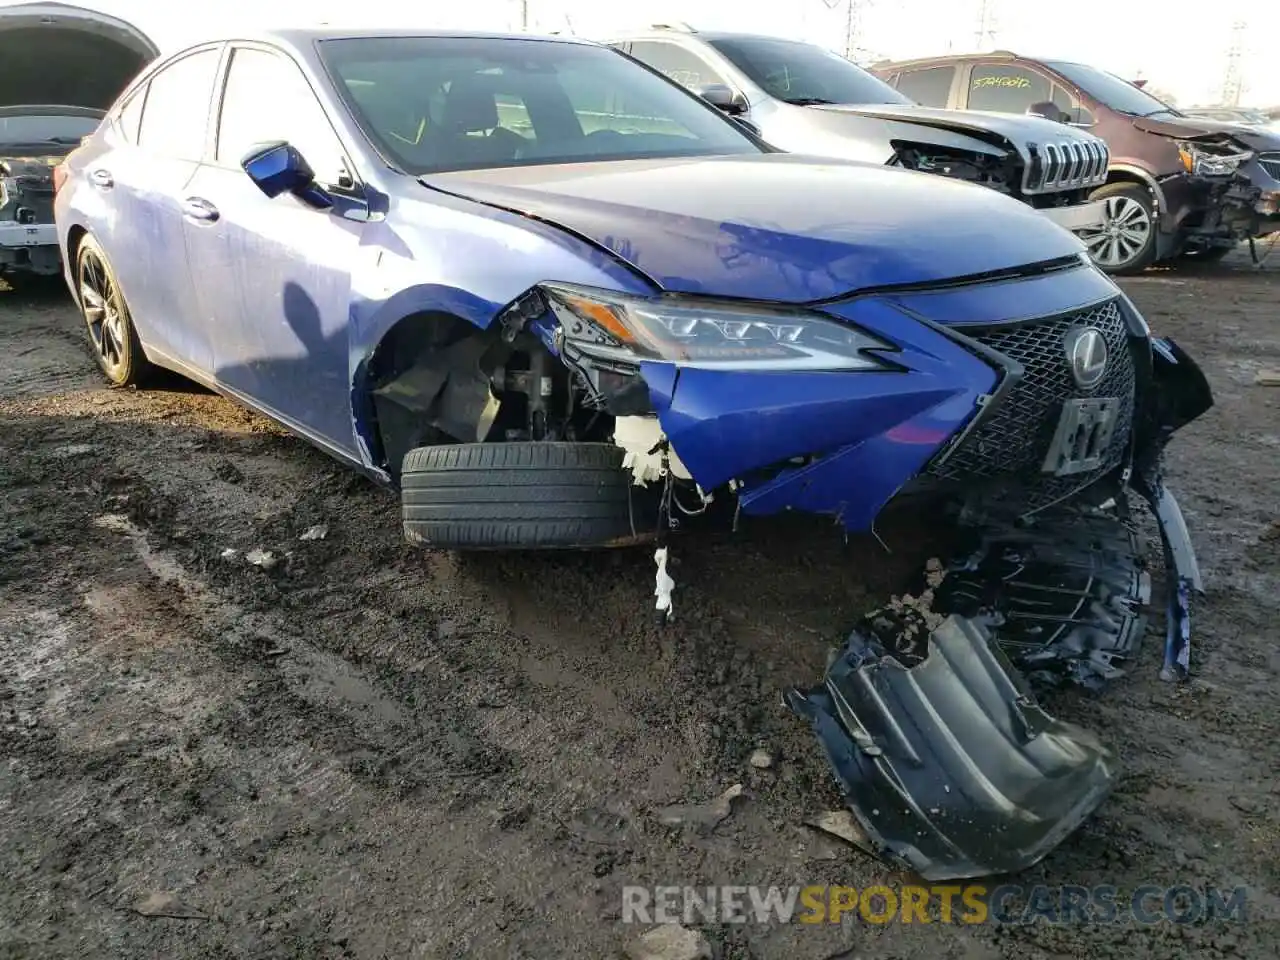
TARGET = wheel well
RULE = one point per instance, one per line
(75, 236)
(1125, 176)
(406, 376)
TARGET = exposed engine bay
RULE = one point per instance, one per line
(26, 215)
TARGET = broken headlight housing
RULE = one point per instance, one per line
(1204, 162)
(693, 332)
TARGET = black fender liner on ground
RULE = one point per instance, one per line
(950, 767)
(547, 495)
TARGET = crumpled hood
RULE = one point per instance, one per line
(1015, 128)
(1194, 127)
(775, 227)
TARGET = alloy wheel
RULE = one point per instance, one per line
(1124, 236)
(104, 314)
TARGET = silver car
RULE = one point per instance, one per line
(804, 99)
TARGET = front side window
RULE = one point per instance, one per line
(1006, 89)
(802, 73)
(432, 104)
(930, 86)
(266, 99)
(176, 114)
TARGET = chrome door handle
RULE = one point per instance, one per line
(197, 208)
(101, 178)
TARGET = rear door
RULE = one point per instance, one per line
(160, 136)
(274, 276)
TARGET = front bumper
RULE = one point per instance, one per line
(1091, 215)
(928, 716)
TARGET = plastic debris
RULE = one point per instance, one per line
(167, 905)
(664, 585)
(318, 532)
(262, 558)
(670, 942)
(703, 815)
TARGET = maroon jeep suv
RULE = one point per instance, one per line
(1178, 187)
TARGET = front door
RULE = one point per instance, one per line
(274, 276)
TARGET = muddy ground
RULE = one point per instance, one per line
(372, 751)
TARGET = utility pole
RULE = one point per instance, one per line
(852, 22)
(986, 24)
(524, 15)
(1233, 79)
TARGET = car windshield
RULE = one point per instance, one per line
(433, 104)
(803, 73)
(42, 128)
(1109, 90)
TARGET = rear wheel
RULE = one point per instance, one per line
(1126, 242)
(521, 496)
(106, 315)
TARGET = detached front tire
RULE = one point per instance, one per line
(1126, 243)
(523, 496)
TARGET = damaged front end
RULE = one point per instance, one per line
(1237, 190)
(27, 238)
(950, 767)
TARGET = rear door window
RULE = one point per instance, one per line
(930, 86)
(1005, 88)
(175, 119)
(130, 116)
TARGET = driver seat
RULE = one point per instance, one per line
(471, 108)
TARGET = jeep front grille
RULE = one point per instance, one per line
(1012, 439)
(1270, 162)
(1068, 165)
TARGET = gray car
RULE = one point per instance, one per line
(804, 99)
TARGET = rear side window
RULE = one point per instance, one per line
(130, 117)
(1006, 89)
(176, 115)
(930, 87)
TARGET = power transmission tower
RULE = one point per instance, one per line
(853, 10)
(986, 24)
(1233, 80)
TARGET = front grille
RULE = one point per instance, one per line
(1070, 165)
(1270, 162)
(1012, 440)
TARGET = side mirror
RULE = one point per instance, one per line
(1050, 111)
(722, 98)
(279, 168)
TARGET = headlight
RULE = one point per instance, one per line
(1198, 161)
(622, 328)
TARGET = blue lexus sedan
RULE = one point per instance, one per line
(555, 300)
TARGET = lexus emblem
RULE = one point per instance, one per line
(1087, 355)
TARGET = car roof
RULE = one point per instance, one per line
(662, 33)
(306, 36)
(956, 57)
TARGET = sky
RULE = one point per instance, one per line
(1182, 53)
